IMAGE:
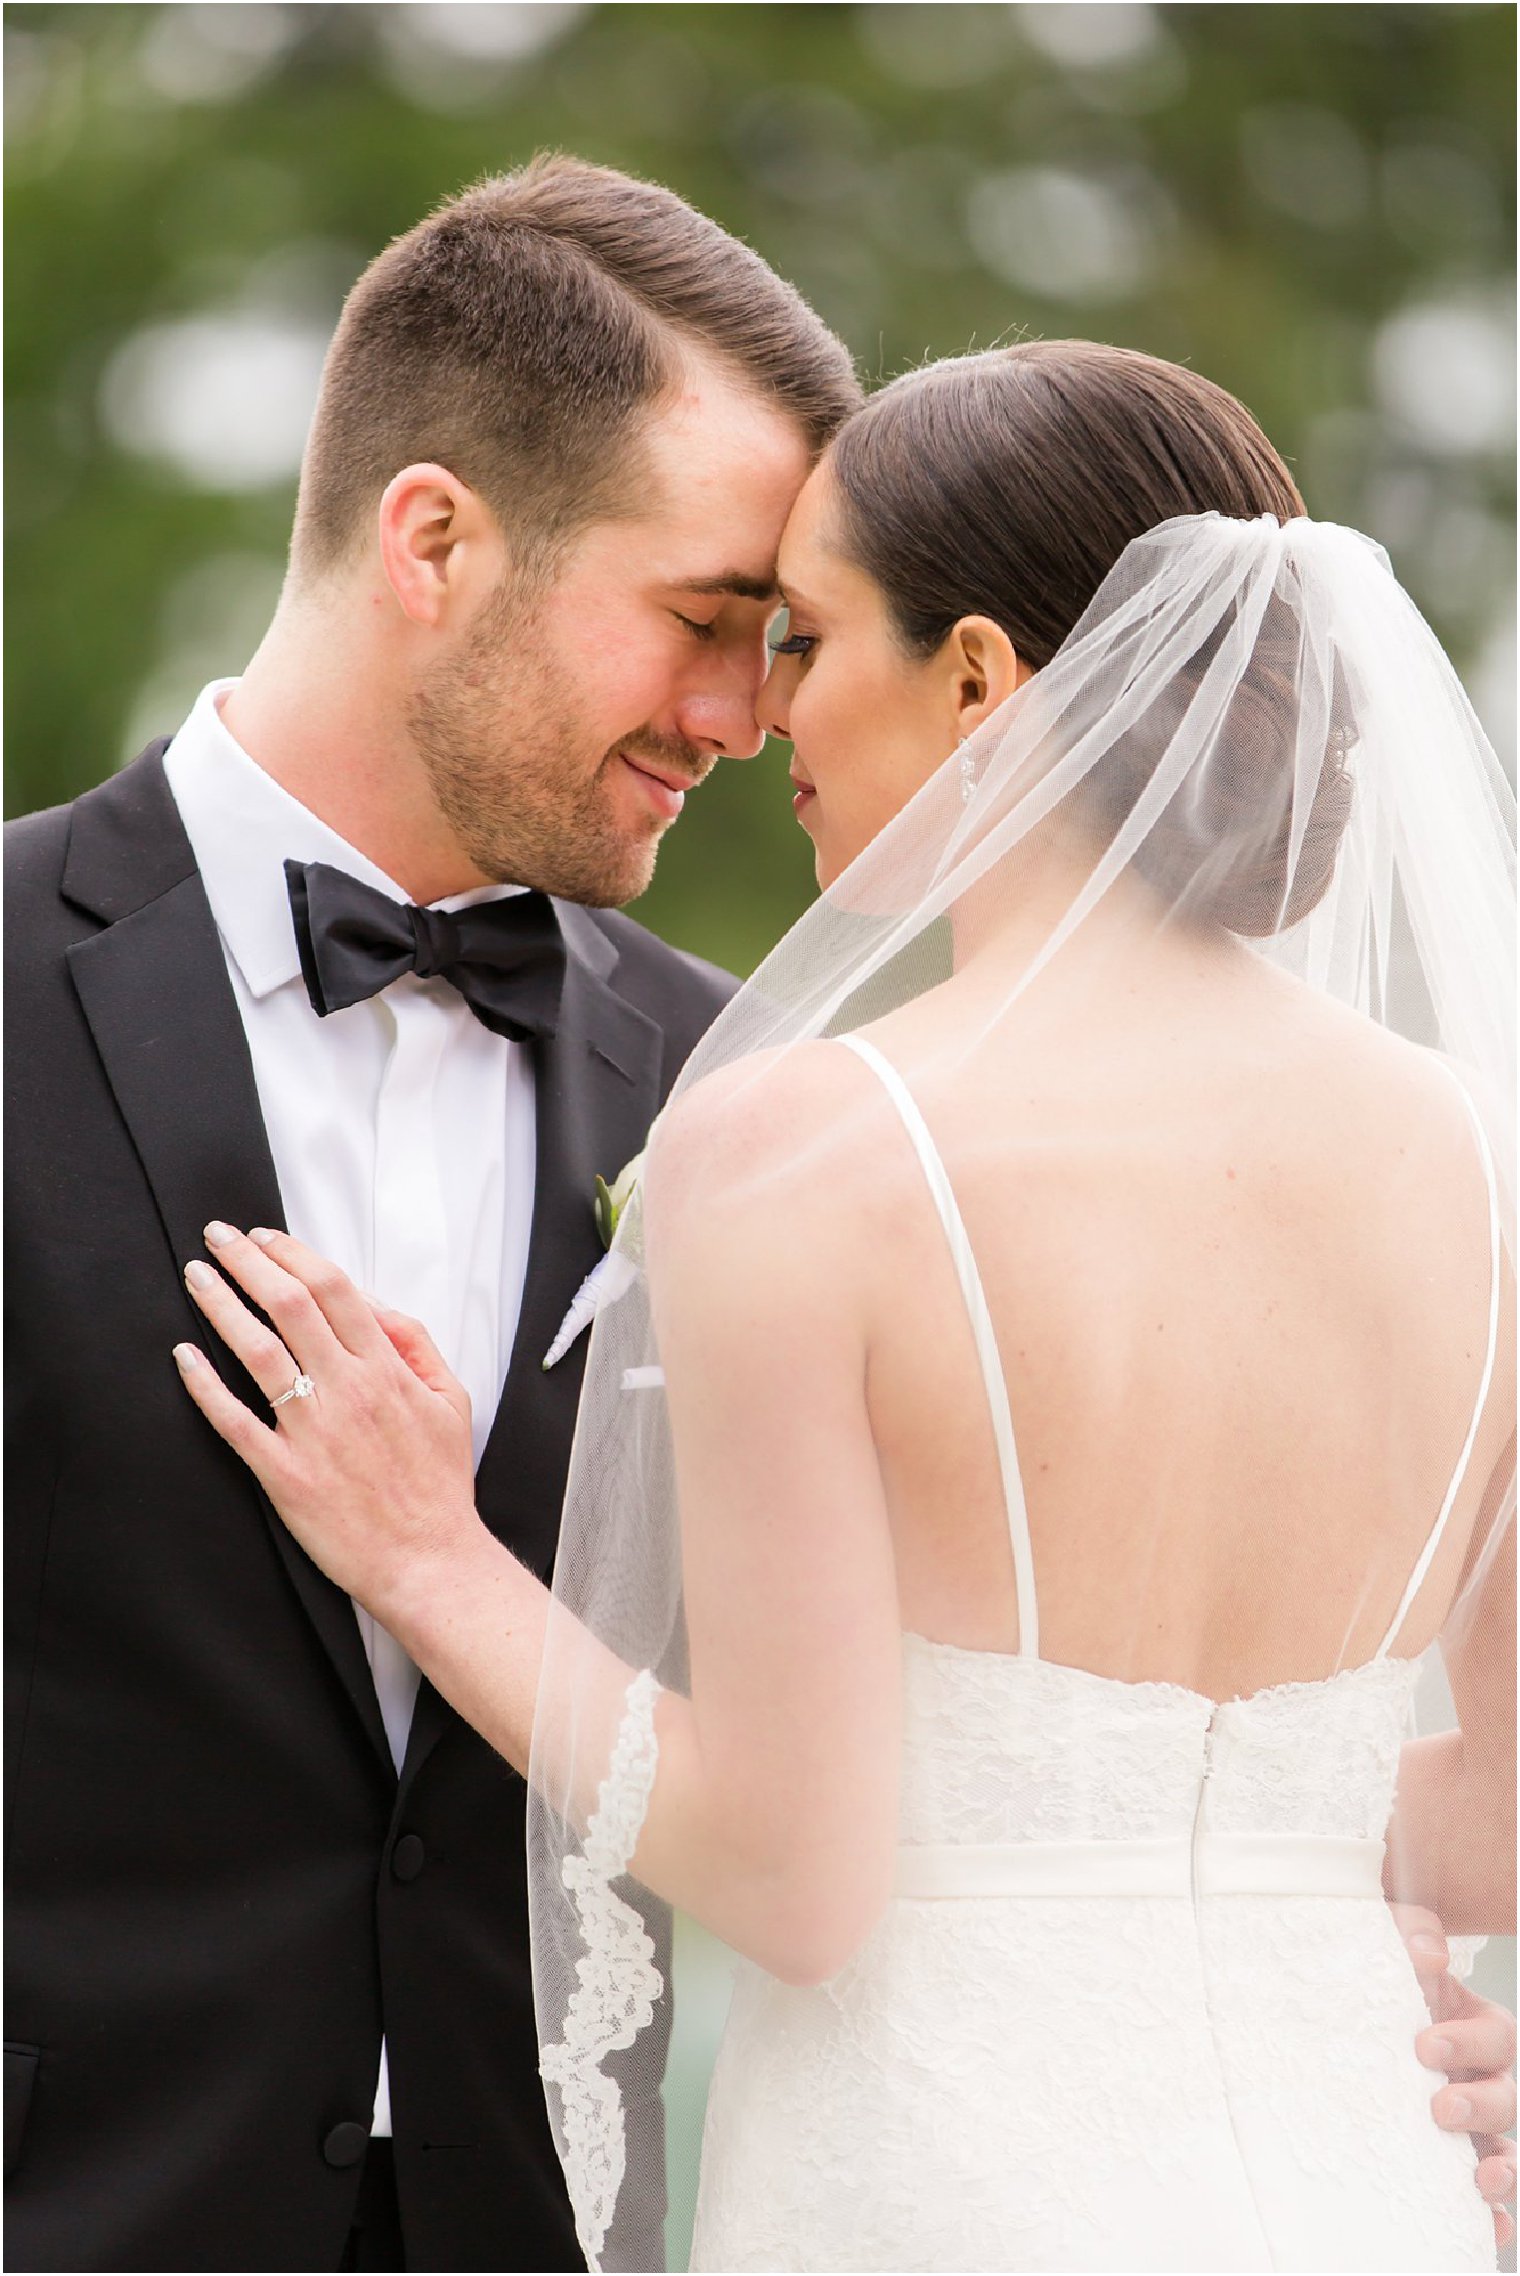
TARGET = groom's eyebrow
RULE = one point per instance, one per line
(738, 582)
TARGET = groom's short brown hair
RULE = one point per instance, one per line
(516, 335)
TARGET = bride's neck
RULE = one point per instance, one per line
(1013, 911)
(1003, 923)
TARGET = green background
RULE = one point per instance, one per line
(1312, 204)
(1309, 203)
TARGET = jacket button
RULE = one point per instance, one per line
(347, 2143)
(408, 1857)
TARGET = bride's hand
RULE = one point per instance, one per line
(1473, 2041)
(371, 1469)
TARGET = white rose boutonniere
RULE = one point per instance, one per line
(618, 1270)
(612, 1200)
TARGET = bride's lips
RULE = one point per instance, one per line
(665, 789)
(803, 793)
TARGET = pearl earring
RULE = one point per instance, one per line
(968, 774)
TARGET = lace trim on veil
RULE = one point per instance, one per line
(619, 1982)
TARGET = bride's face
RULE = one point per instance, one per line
(867, 722)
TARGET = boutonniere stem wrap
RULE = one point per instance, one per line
(618, 1270)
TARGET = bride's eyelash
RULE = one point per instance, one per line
(698, 631)
(795, 644)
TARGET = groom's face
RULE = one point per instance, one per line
(566, 729)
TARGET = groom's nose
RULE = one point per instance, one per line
(724, 724)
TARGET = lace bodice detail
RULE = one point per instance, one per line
(1137, 2081)
(1001, 1749)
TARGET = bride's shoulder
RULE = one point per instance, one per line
(1366, 1049)
(757, 1184)
(1350, 1070)
(777, 1118)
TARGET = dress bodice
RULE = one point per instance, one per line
(1003, 1749)
(1053, 2054)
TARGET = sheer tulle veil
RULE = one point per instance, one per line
(1252, 740)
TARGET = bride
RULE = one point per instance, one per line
(1053, 1384)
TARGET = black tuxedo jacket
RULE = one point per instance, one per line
(220, 1895)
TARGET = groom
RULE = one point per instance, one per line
(270, 2003)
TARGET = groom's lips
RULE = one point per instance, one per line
(664, 786)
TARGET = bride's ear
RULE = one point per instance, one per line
(985, 669)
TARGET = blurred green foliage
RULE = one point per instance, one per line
(1309, 203)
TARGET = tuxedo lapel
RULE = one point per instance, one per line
(154, 988)
(597, 1085)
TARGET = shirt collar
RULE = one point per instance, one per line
(243, 828)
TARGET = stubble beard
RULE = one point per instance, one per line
(506, 761)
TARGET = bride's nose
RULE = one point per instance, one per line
(774, 708)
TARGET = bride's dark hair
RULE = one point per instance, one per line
(1007, 485)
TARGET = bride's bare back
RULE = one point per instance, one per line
(1236, 1247)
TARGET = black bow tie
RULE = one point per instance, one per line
(506, 958)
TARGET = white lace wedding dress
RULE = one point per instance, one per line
(1137, 2003)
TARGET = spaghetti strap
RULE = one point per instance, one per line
(981, 1329)
(1417, 1577)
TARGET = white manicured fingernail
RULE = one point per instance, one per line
(199, 1275)
(262, 1235)
(1440, 2054)
(218, 1234)
(1458, 2110)
(185, 1357)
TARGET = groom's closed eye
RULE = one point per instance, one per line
(728, 586)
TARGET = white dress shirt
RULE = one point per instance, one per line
(402, 1130)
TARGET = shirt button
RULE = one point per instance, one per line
(408, 1857)
(347, 2143)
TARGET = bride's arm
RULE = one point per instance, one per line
(793, 1736)
(773, 1817)
(1451, 1843)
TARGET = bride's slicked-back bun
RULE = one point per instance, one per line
(1007, 484)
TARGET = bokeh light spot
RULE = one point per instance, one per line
(1446, 371)
(1306, 162)
(197, 53)
(1094, 36)
(225, 400)
(1066, 236)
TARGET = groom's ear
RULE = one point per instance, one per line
(985, 670)
(440, 545)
